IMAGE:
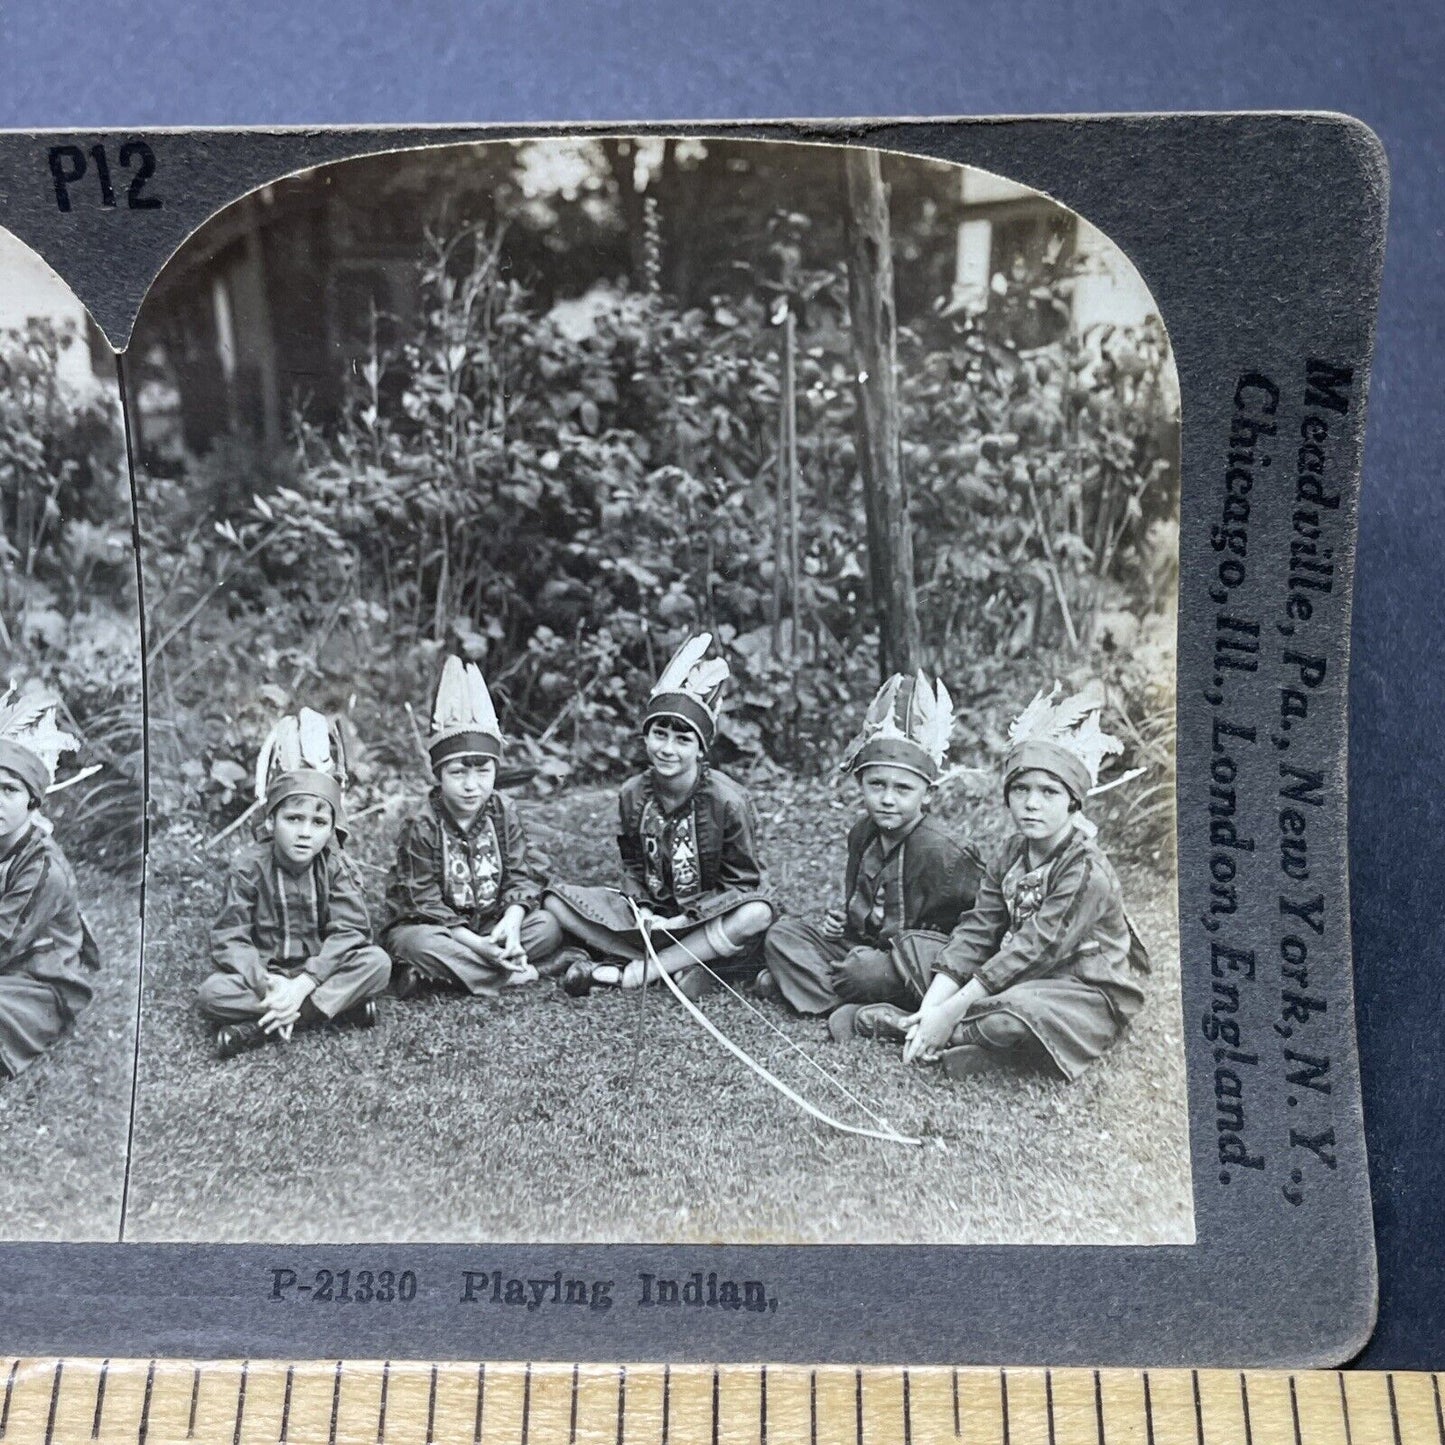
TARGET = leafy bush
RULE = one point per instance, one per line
(67, 582)
(563, 504)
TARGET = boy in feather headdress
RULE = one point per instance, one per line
(905, 874)
(462, 901)
(44, 943)
(688, 845)
(292, 943)
(1047, 966)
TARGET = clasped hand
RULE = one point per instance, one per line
(506, 938)
(283, 999)
(931, 1028)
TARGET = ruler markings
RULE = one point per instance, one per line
(145, 1405)
(54, 1401)
(71, 1408)
(381, 1407)
(240, 1403)
(99, 1400)
(9, 1391)
(283, 1433)
(196, 1395)
(63, 1400)
(335, 1405)
(145, 1409)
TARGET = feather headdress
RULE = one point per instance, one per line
(690, 689)
(908, 725)
(1062, 736)
(463, 720)
(304, 754)
(30, 741)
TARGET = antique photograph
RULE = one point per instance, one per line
(72, 775)
(661, 677)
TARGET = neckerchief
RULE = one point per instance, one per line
(671, 867)
(471, 862)
(868, 911)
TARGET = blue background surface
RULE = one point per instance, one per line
(278, 62)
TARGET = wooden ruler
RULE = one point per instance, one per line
(157, 1402)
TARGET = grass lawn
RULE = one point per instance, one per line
(65, 1119)
(540, 1117)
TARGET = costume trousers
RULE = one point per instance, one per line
(364, 973)
(35, 1013)
(817, 971)
(433, 952)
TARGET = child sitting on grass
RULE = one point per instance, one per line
(689, 856)
(1047, 967)
(904, 872)
(44, 943)
(461, 904)
(292, 943)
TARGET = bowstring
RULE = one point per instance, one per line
(797, 1048)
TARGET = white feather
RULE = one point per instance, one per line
(675, 674)
(1072, 724)
(314, 740)
(937, 730)
(1073, 710)
(479, 701)
(448, 710)
(263, 764)
(288, 745)
(29, 720)
(708, 675)
(1034, 719)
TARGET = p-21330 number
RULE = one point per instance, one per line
(346, 1286)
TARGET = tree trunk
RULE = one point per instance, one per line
(621, 161)
(875, 356)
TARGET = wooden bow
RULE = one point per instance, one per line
(886, 1134)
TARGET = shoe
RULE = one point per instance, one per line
(233, 1039)
(840, 1022)
(363, 1016)
(766, 986)
(695, 983)
(577, 981)
(405, 980)
(880, 1021)
(963, 1061)
(561, 962)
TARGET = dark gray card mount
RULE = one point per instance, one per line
(1261, 237)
